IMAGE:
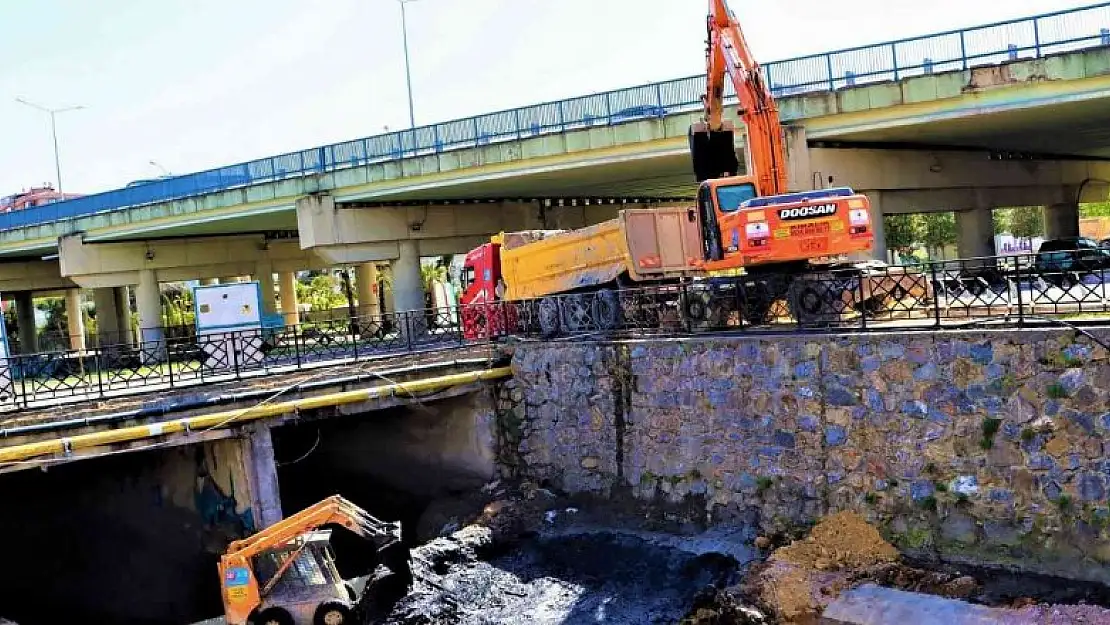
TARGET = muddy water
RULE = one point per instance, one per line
(576, 575)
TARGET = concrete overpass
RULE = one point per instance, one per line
(951, 132)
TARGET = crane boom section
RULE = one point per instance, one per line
(729, 54)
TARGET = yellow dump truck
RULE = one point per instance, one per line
(586, 265)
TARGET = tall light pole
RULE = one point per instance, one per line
(408, 74)
(53, 132)
(165, 172)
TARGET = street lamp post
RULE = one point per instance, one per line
(408, 73)
(53, 132)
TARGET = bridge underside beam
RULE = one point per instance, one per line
(96, 265)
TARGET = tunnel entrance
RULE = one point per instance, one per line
(131, 538)
(394, 463)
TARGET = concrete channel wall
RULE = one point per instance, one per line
(983, 446)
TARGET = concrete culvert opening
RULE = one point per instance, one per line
(132, 538)
(399, 464)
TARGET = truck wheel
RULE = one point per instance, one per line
(607, 310)
(274, 616)
(549, 317)
(333, 613)
(577, 313)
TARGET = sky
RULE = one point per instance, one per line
(194, 84)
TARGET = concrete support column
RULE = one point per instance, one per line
(123, 314)
(265, 276)
(25, 320)
(75, 319)
(1061, 220)
(287, 283)
(878, 248)
(148, 299)
(113, 323)
(366, 277)
(408, 289)
(975, 233)
(261, 467)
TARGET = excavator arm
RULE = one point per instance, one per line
(711, 141)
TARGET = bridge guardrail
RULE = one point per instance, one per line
(1031, 37)
(1009, 291)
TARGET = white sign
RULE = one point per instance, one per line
(228, 307)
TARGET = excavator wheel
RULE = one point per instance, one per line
(713, 154)
(333, 613)
(273, 616)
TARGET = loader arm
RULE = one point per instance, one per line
(714, 155)
(333, 510)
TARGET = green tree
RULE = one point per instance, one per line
(903, 232)
(177, 304)
(321, 293)
(1022, 223)
(1098, 209)
(937, 231)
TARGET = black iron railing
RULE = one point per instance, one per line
(1014, 291)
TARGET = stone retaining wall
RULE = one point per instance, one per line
(986, 446)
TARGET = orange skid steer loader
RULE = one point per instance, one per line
(286, 574)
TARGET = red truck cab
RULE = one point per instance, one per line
(484, 315)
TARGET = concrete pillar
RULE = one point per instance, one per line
(287, 283)
(75, 318)
(262, 471)
(975, 233)
(148, 299)
(123, 315)
(113, 318)
(408, 289)
(25, 320)
(878, 248)
(366, 277)
(265, 277)
(1061, 220)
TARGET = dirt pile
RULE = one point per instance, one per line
(841, 541)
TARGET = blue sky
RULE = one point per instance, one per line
(193, 84)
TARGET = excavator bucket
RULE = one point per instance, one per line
(713, 153)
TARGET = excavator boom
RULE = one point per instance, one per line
(711, 142)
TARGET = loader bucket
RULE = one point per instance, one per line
(713, 153)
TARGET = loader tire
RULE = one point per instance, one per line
(333, 613)
(274, 616)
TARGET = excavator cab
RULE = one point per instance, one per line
(742, 229)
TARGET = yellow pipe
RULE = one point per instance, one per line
(229, 418)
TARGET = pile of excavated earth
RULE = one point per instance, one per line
(526, 559)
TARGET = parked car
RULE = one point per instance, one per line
(1066, 261)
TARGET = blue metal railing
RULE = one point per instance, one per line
(1031, 37)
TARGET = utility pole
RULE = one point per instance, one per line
(408, 72)
(53, 131)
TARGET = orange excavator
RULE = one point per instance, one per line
(752, 221)
(286, 573)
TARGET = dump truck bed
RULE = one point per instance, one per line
(642, 243)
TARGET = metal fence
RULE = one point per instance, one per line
(1013, 291)
(1031, 37)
